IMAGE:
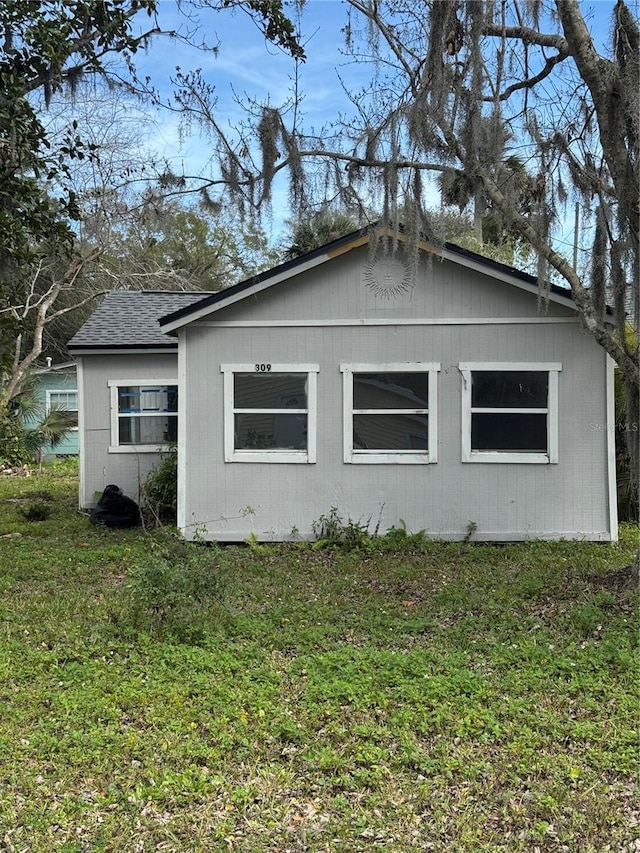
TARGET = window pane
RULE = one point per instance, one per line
(390, 390)
(270, 390)
(148, 398)
(258, 432)
(146, 430)
(509, 432)
(390, 432)
(67, 400)
(509, 389)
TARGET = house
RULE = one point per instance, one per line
(56, 388)
(127, 384)
(438, 395)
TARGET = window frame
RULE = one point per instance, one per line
(51, 406)
(353, 456)
(552, 369)
(114, 385)
(275, 455)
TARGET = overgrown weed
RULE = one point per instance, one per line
(175, 591)
(333, 531)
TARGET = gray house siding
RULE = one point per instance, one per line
(332, 316)
(99, 463)
(342, 290)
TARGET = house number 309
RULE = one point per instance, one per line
(263, 368)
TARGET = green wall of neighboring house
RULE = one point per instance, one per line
(58, 387)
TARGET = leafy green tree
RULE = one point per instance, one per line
(49, 47)
(315, 228)
(159, 245)
(168, 245)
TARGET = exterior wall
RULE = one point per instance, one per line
(98, 465)
(228, 501)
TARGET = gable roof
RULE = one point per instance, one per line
(261, 281)
(128, 319)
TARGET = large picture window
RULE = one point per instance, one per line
(144, 415)
(510, 412)
(390, 413)
(270, 412)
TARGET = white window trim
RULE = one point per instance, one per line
(277, 455)
(49, 406)
(496, 456)
(115, 446)
(352, 456)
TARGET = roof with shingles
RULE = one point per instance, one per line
(128, 319)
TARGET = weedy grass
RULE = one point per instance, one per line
(421, 697)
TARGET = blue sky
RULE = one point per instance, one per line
(247, 65)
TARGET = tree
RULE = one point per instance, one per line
(317, 227)
(164, 244)
(48, 47)
(24, 322)
(457, 88)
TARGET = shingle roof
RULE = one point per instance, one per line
(128, 319)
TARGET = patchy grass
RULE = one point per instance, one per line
(453, 697)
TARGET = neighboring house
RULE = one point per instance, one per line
(441, 397)
(127, 383)
(57, 388)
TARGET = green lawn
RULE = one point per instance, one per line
(442, 697)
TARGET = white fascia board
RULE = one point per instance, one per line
(387, 321)
(181, 514)
(232, 298)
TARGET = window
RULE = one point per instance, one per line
(390, 413)
(510, 412)
(270, 412)
(65, 401)
(144, 415)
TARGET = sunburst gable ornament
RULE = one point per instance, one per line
(387, 277)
